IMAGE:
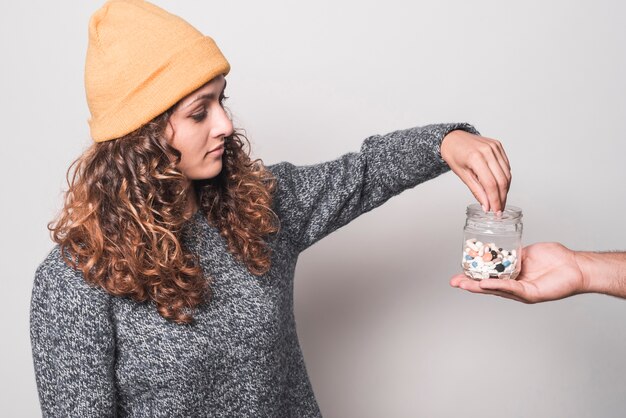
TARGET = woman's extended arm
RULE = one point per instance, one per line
(315, 200)
(72, 343)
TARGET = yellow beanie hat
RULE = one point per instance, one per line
(141, 60)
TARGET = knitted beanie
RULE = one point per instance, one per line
(141, 60)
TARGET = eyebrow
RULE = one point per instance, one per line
(209, 96)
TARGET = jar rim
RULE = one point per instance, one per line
(509, 214)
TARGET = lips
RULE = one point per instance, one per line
(218, 148)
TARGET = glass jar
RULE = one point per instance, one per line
(492, 244)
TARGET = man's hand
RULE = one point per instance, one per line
(551, 271)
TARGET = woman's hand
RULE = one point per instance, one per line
(482, 165)
(550, 271)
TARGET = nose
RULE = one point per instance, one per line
(223, 124)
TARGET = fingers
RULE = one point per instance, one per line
(513, 288)
(502, 182)
(505, 168)
(501, 155)
(469, 178)
(483, 166)
(504, 295)
(475, 286)
(504, 285)
(503, 160)
(455, 280)
(480, 166)
(492, 168)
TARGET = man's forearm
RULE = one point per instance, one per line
(603, 272)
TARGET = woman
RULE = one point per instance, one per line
(170, 289)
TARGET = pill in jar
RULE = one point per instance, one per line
(492, 243)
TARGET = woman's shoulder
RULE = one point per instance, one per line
(281, 169)
(55, 275)
(289, 176)
(286, 184)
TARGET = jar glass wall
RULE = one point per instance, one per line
(492, 244)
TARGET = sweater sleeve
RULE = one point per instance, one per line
(313, 201)
(72, 344)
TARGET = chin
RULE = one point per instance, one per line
(209, 174)
(204, 172)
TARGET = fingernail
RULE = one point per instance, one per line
(484, 208)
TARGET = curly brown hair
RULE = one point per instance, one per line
(124, 213)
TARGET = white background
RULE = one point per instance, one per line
(382, 332)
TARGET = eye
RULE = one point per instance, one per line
(199, 116)
(223, 99)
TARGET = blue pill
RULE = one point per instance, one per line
(506, 263)
(468, 257)
(474, 264)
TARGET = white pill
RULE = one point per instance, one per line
(479, 244)
(471, 244)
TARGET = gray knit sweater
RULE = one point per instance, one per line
(96, 355)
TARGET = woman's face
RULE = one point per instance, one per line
(197, 129)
